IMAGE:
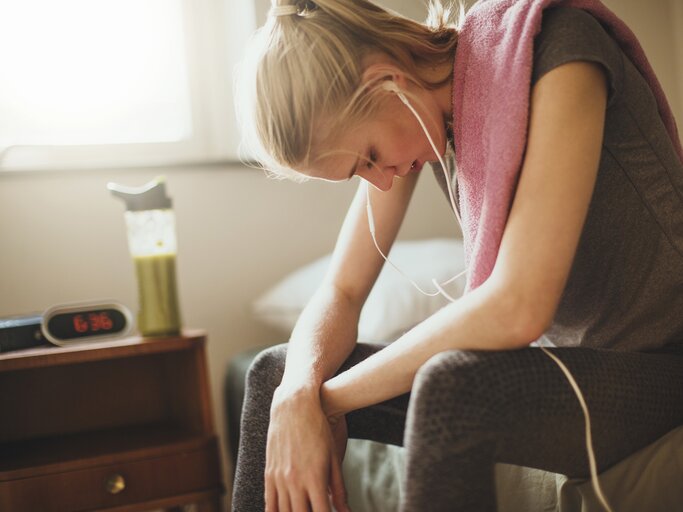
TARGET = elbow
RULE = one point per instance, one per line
(525, 320)
(528, 329)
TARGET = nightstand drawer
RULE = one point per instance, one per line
(113, 485)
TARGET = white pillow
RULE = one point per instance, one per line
(394, 304)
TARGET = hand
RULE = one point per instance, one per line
(340, 435)
(302, 461)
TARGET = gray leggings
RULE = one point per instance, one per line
(470, 409)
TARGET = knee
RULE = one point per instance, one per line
(266, 370)
(449, 372)
(480, 385)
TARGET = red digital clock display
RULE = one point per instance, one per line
(73, 324)
(93, 322)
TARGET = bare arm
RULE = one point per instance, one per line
(518, 301)
(303, 454)
(326, 332)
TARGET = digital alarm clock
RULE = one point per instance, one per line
(83, 322)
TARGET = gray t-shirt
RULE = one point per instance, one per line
(625, 288)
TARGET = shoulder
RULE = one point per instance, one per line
(570, 24)
(570, 34)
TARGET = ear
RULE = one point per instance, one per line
(378, 68)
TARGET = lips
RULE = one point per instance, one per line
(416, 166)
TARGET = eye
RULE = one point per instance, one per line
(372, 159)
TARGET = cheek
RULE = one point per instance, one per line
(400, 140)
(413, 135)
(405, 143)
(414, 145)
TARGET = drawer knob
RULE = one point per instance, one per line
(115, 484)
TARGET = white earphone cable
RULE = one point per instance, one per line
(392, 87)
(371, 224)
(589, 438)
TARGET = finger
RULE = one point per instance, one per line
(283, 500)
(270, 496)
(299, 500)
(337, 487)
(320, 501)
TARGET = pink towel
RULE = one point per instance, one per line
(492, 77)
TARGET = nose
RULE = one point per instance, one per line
(387, 177)
(381, 179)
(404, 172)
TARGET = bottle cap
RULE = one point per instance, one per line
(151, 196)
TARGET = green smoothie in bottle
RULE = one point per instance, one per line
(159, 312)
(151, 237)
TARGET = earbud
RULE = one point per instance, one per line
(390, 85)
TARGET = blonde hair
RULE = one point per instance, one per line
(304, 67)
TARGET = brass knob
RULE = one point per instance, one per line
(115, 484)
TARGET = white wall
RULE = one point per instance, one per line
(62, 237)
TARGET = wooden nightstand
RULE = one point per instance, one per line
(120, 426)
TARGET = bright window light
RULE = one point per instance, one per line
(80, 72)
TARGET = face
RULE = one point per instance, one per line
(391, 145)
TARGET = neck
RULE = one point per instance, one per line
(444, 94)
(444, 99)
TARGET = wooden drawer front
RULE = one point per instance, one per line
(145, 480)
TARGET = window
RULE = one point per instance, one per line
(111, 83)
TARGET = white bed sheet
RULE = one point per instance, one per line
(648, 480)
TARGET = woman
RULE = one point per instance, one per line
(591, 257)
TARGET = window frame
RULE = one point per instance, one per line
(215, 31)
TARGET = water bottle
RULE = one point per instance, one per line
(152, 242)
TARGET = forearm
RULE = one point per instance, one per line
(481, 320)
(323, 338)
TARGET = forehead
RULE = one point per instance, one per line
(335, 159)
(342, 139)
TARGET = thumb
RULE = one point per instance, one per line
(337, 487)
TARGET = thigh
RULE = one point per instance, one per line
(383, 422)
(522, 404)
(632, 399)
